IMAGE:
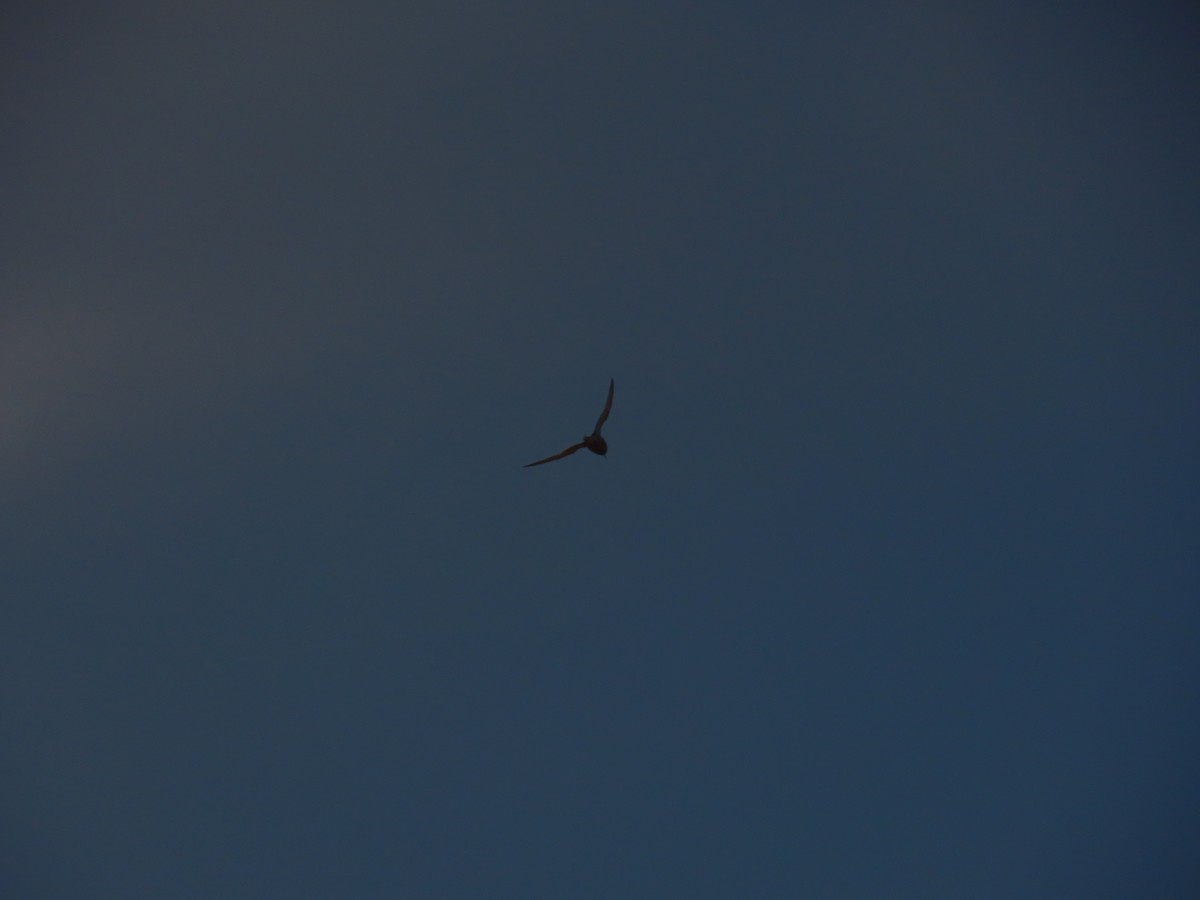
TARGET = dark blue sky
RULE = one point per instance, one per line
(887, 586)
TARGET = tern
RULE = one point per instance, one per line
(593, 441)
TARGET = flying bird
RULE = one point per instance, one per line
(593, 441)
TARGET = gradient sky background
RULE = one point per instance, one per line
(887, 587)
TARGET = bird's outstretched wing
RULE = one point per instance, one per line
(607, 407)
(566, 452)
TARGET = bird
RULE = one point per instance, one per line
(593, 441)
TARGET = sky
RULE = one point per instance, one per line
(887, 585)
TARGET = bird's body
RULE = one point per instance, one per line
(593, 441)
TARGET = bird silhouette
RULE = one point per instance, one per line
(593, 441)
